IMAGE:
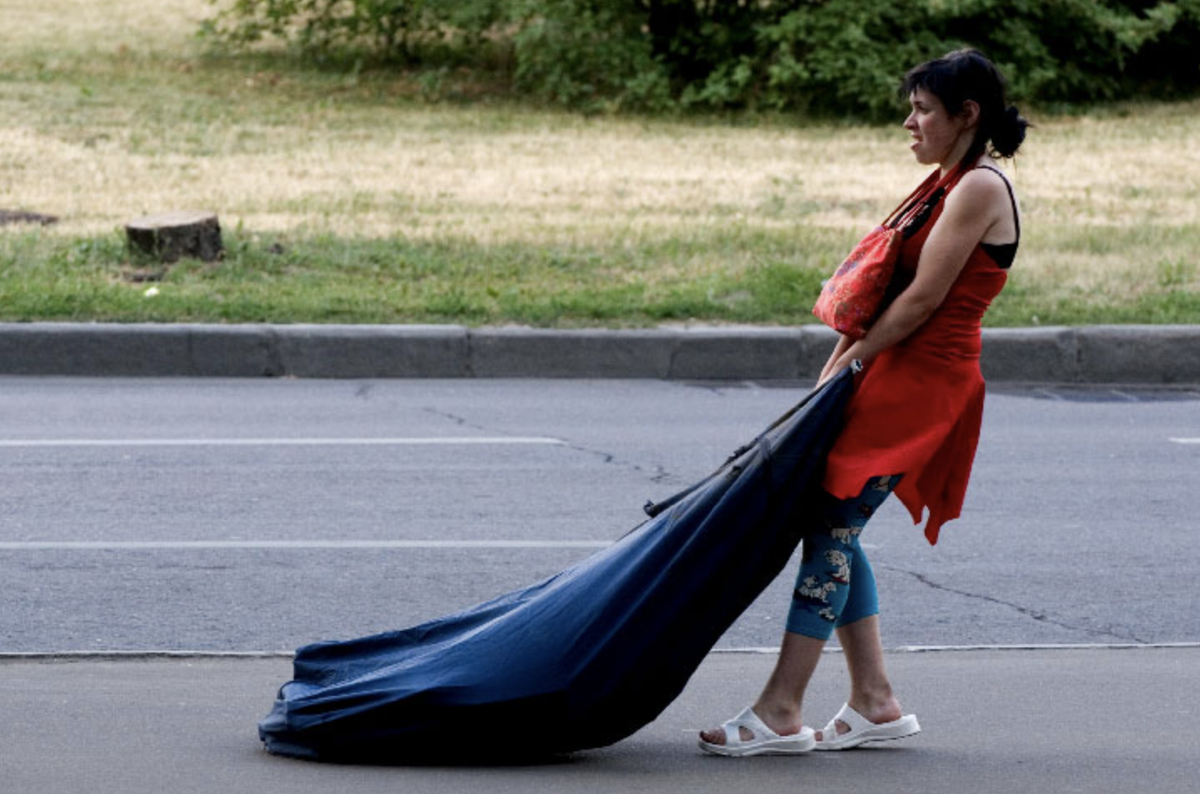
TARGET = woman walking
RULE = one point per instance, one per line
(913, 423)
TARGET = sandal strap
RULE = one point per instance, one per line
(853, 720)
(746, 719)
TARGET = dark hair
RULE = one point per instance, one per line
(967, 75)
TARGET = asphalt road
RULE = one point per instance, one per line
(994, 722)
(250, 515)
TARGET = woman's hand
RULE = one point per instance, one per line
(831, 367)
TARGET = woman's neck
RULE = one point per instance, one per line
(961, 151)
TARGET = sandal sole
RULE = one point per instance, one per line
(746, 752)
(894, 731)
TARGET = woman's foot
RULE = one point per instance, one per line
(850, 728)
(747, 735)
(879, 711)
(783, 721)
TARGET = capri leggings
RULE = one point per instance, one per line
(835, 585)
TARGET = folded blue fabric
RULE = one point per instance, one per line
(586, 657)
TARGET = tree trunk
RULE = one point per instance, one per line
(172, 235)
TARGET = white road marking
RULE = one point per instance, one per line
(278, 442)
(150, 654)
(1086, 646)
(1186, 440)
(288, 545)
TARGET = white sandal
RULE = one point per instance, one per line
(863, 730)
(763, 741)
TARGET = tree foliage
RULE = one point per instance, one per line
(820, 56)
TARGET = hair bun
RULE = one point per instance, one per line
(1009, 133)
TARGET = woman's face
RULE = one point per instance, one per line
(937, 136)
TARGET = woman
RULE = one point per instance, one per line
(913, 422)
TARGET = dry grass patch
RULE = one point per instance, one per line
(112, 110)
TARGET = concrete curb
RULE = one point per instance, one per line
(1135, 354)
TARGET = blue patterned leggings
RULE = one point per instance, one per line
(835, 585)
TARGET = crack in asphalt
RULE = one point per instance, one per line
(1029, 612)
(458, 420)
(657, 475)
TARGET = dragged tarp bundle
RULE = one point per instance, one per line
(586, 657)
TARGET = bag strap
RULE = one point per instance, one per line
(916, 209)
(904, 207)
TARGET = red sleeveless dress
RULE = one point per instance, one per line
(917, 408)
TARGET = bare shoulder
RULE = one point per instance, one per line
(981, 193)
(982, 184)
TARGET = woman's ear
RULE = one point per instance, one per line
(970, 113)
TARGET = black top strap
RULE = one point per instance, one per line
(1012, 198)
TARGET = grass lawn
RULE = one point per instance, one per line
(386, 197)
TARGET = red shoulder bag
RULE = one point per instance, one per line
(854, 295)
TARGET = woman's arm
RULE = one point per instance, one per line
(971, 210)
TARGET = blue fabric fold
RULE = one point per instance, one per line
(586, 657)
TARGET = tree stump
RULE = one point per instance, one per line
(171, 235)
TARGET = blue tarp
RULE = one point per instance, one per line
(586, 657)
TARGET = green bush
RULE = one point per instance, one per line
(822, 56)
(846, 55)
(388, 29)
(587, 53)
